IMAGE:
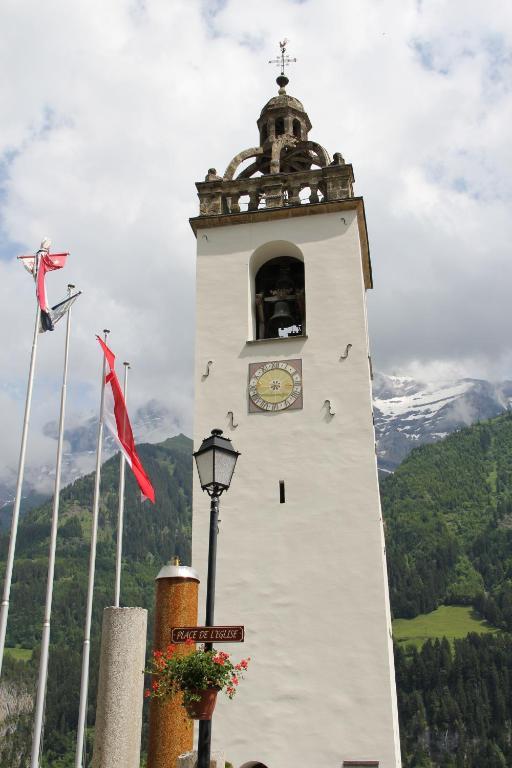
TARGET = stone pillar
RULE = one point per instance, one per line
(171, 731)
(120, 688)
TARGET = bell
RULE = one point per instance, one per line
(281, 318)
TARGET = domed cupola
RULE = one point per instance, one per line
(285, 169)
(284, 140)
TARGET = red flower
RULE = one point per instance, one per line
(157, 654)
(170, 650)
(234, 680)
(189, 641)
(154, 685)
(243, 664)
(147, 693)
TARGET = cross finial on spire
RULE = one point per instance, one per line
(283, 60)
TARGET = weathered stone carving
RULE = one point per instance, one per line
(286, 162)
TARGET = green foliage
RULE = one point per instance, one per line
(454, 703)
(467, 583)
(448, 517)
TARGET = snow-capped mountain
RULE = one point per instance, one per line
(408, 413)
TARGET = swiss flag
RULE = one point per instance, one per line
(116, 419)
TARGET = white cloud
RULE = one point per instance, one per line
(111, 112)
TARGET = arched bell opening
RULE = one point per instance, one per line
(280, 304)
(279, 126)
(297, 129)
(264, 133)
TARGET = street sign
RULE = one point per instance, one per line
(208, 634)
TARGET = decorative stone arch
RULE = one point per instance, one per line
(263, 254)
(304, 155)
(238, 159)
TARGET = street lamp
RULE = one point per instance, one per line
(215, 460)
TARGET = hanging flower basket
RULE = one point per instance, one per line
(202, 707)
(198, 674)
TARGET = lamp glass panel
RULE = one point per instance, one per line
(204, 463)
(224, 467)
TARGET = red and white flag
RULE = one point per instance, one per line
(117, 420)
(38, 266)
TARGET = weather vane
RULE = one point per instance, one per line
(283, 60)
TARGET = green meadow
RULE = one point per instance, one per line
(20, 654)
(451, 621)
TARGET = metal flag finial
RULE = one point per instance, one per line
(283, 60)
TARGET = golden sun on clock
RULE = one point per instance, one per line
(275, 386)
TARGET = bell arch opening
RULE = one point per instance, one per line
(279, 298)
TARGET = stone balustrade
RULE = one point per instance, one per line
(218, 196)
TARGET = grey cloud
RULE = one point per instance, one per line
(105, 150)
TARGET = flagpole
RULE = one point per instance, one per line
(45, 638)
(4, 607)
(84, 683)
(120, 510)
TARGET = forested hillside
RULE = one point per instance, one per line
(448, 517)
(152, 535)
(448, 513)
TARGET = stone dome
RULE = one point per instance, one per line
(283, 101)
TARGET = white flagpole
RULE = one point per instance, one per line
(84, 684)
(4, 607)
(45, 638)
(120, 509)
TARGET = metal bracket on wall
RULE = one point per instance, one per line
(233, 425)
(329, 408)
(347, 350)
(207, 372)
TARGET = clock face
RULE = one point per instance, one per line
(275, 386)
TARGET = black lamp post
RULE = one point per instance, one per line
(215, 460)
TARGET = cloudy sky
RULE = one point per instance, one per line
(112, 110)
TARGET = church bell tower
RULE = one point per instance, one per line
(282, 366)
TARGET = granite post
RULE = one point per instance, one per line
(171, 731)
(120, 688)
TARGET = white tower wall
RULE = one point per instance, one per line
(308, 577)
